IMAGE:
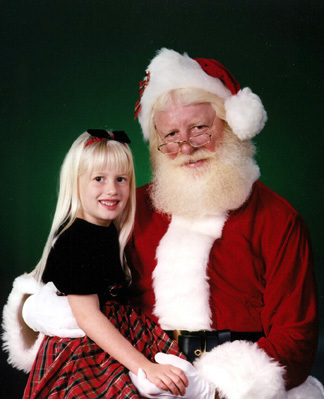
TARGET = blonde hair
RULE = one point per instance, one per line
(80, 160)
(184, 96)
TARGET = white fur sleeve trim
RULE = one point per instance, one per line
(241, 370)
(21, 342)
(310, 389)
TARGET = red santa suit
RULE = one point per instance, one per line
(250, 270)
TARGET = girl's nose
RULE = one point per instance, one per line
(111, 188)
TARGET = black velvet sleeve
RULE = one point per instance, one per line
(85, 260)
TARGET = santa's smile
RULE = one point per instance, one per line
(195, 164)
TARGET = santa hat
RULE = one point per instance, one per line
(170, 70)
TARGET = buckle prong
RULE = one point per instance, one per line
(176, 334)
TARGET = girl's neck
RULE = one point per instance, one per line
(93, 224)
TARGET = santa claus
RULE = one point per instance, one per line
(222, 262)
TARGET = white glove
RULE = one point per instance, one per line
(197, 388)
(50, 314)
(146, 388)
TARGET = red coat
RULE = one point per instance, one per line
(260, 275)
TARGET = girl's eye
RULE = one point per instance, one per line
(99, 178)
(121, 179)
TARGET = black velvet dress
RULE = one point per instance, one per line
(85, 260)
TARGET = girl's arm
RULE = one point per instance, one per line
(97, 326)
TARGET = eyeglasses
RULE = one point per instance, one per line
(195, 141)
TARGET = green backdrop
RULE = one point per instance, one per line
(73, 65)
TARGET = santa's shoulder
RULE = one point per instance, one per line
(265, 212)
(264, 199)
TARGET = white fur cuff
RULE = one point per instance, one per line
(19, 340)
(241, 370)
(310, 389)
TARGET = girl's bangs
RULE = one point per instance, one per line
(106, 155)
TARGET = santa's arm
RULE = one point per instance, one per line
(19, 340)
(32, 311)
(289, 316)
(51, 314)
(283, 358)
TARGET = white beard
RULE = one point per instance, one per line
(223, 183)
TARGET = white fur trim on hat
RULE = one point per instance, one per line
(170, 70)
(241, 370)
(245, 114)
(20, 341)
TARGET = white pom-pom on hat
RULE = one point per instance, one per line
(170, 70)
(245, 114)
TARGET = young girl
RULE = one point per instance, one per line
(83, 257)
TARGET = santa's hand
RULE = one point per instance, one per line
(146, 388)
(197, 388)
(50, 314)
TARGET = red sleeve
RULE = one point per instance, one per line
(289, 316)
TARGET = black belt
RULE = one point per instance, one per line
(194, 343)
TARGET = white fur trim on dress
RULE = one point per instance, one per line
(170, 70)
(21, 342)
(180, 278)
(241, 370)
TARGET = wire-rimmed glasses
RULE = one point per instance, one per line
(195, 141)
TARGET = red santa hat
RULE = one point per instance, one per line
(170, 70)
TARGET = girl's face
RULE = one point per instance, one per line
(103, 196)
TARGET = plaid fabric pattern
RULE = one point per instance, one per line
(78, 368)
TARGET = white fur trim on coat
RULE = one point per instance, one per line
(20, 341)
(241, 370)
(180, 278)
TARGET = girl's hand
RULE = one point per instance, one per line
(167, 377)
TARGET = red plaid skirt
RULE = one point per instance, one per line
(78, 368)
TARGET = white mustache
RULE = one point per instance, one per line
(183, 159)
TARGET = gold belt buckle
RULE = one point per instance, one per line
(198, 352)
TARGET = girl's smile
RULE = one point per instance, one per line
(109, 204)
